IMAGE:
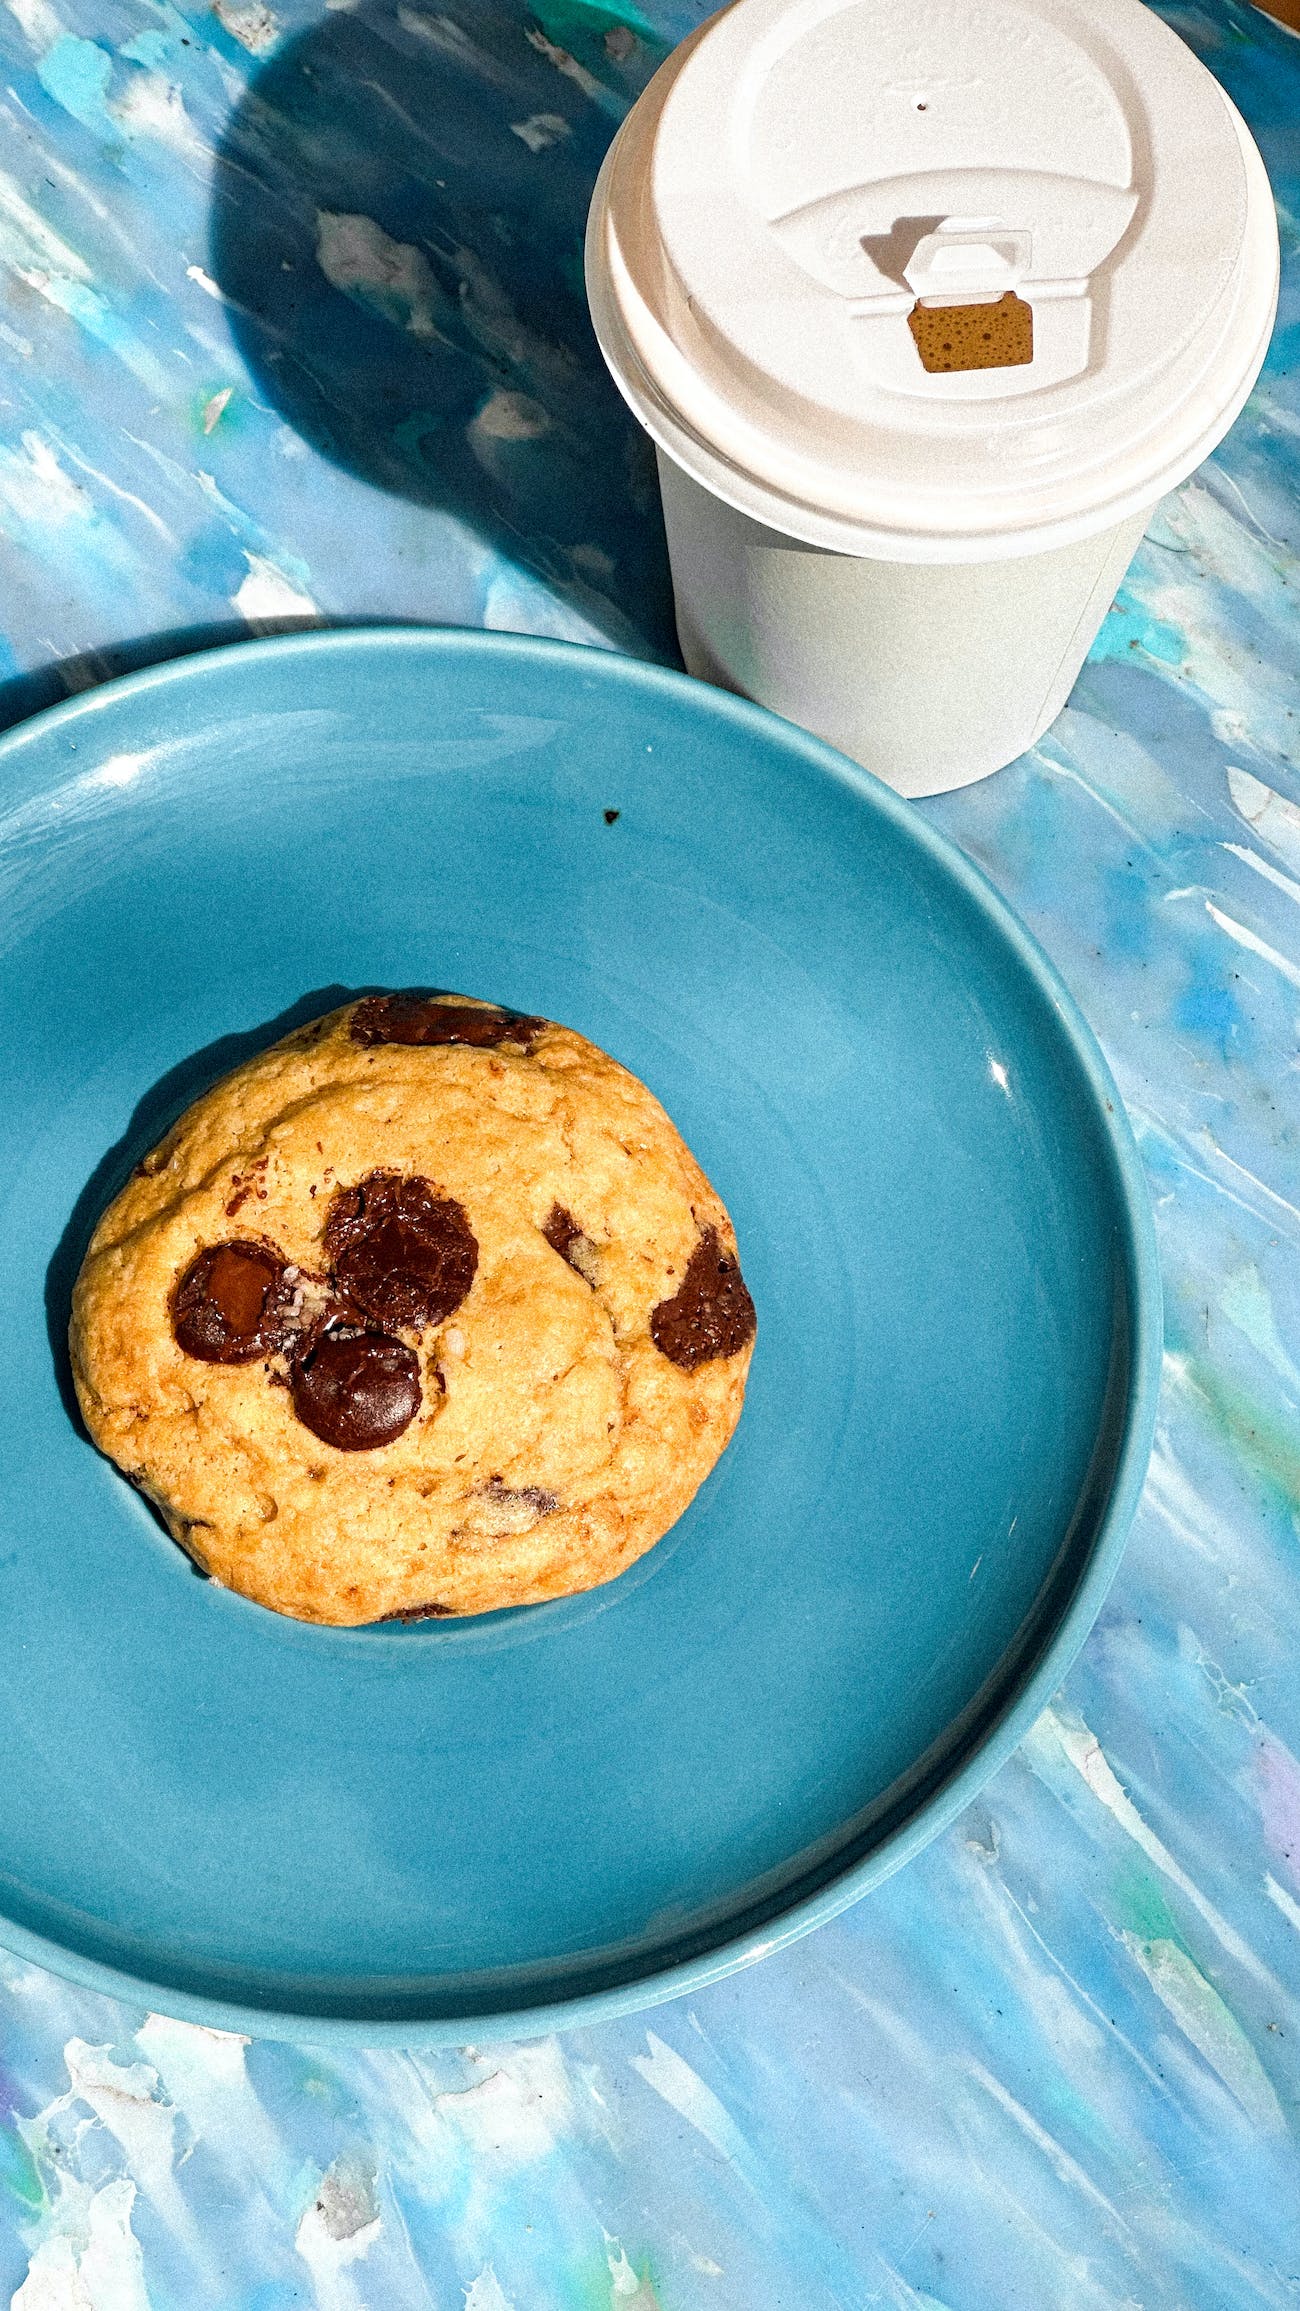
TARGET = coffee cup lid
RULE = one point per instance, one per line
(934, 282)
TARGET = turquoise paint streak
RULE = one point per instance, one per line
(1127, 627)
(76, 73)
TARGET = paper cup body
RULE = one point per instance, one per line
(931, 674)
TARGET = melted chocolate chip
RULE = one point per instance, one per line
(561, 1230)
(710, 1314)
(232, 1304)
(401, 1252)
(356, 1391)
(574, 1246)
(423, 1613)
(413, 1017)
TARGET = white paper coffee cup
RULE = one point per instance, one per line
(924, 309)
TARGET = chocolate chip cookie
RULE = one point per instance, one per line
(426, 1310)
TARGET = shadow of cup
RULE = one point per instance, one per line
(399, 203)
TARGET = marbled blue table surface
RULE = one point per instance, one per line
(291, 326)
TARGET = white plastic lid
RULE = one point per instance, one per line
(801, 175)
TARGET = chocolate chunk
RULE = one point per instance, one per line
(232, 1304)
(572, 1243)
(710, 1314)
(560, 1230)
(423, 1613)
(414, 1017)
(401, 1252)
(356, 1391)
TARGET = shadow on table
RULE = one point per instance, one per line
(398, 212)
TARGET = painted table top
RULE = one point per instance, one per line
(292, 327)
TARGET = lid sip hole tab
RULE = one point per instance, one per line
(961, 262)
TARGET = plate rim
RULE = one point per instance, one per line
(1033, 1688)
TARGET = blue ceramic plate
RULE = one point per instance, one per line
(440, 1831)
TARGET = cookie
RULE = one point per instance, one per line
(426, 1310)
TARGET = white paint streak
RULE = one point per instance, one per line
(510, 416)
(485, 2293)
(127, 497)
(541, 130)
(677, 2084)
(1068, 2016)
(127, 2101)
(215, 409)
(1246, 1304)
(1067, 770)
(519, 2111)
(1066, 2169)
(905, 2297)
(514, 603)
(1251, 693)
(338, 2229)
(97, 2268)
(1215, 2032)
(96, 316)
(42, 24)
(1270, 814)
(248, 22)
(1253, 944)
(205, 2074)
(1079, 1745)
(629, 2291)
(26, 241)
(1180, 1508)
(443, 32)
(391, 278)
(266, 594)
(1225, 481)
(568, 65)
(1283, 1901)
(1265, 868)
(1180, 1148)
(35, 488)
(1270, 1194)
(151, 105)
